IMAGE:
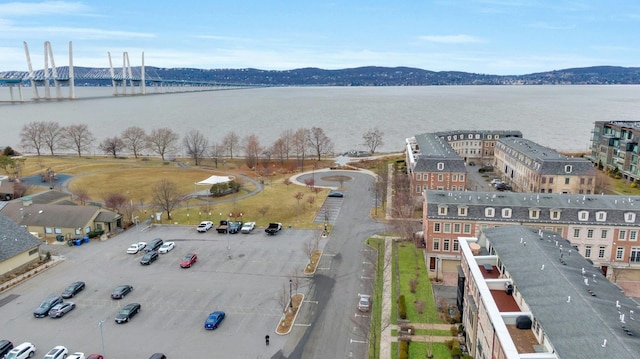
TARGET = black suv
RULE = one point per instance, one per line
(44, 308)
(5, 347)
(154, 245)
(149, 257)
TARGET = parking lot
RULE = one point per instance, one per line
(245, 275)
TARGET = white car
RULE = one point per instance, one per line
(166, 247)
(248, 227)
(22, 351)
(364, 302)
(136, 247)
(204, 226)
(57, 352)
(76, 355)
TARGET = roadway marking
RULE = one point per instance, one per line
(311, 301)
(302, 325)
(357, 341)
(365, 277)
(323, 268)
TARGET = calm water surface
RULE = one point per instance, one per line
(560, 117)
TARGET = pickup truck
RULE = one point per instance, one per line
(273, 228)
(222, 226)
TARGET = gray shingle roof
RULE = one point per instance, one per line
(520, 203)
(577, 327)
(483, 133)
(549, 161)
(434, 150)
(14, 239)
(50, 215)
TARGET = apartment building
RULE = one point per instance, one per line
(530, 167)
(614, 145)
(438, 160)
(525, 294)
(602, 228)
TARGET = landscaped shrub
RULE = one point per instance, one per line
(454, 330)
(450, 343)
(404, 350)
(223, 189)
(413, 285)
(456, 353)
(402, 307)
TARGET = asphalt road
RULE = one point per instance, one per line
(329, 325)
(175, 301)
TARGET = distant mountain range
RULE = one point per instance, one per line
(376, 76)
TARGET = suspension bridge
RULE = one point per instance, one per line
(125, 81)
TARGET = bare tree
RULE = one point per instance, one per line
(300, 141)
(319, 142)
(380, 184)
(278, 150)
(216, 151)
(165, 196)
(52, 134)
(32, 136)
(112, 146)
(114, 201)
(196, 145)
(135, 139)
(373, 139)
(284, 299)
(252, 150)
(77, 138)
(162, 140)
(82, 195)
(298, 196)
(230, 142)
(287, 142)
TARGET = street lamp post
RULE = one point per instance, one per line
(228, 243)
(101, 335)
(437, 267)
(290, 294)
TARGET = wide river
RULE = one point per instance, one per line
(560, 117)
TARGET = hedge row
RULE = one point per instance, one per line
(402, 307)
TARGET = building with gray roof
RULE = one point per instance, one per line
(529, 294)
(530, 167)
(18, 247)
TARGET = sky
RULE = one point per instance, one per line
(502, 37)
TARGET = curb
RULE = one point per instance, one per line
(293, 322)
(312, 273)
(55, 260)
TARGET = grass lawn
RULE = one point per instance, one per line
(419, 350)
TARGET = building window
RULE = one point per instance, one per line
(544, 180)
(467, 228)
(418, 176)
(506, 213)
(589, 233)
(462, 211)
(445, 245)
(442, 210)
(630, 217)
(418, 189)
(583, 216)
(456, 246)
(576, 233)
(550, 180)
(454, 178)
(58, 230)
(622, 235)
(456, 228)
(619, 253)
(601, 216)
(447, 228)
(567, 169)
(436, 227)
(48, 230)
(601, 251)
(587, 252)
(633, 235)
(461, 178)
(489, 212)
(550, 190)
(634, 256)
(566, 180)
(489, 137)
(581, 180)
(534, 213)
(436, 244)
(555, 214)
(589, 181)
(603, 234)
(440, 166)
(33, 251)
(440, 177)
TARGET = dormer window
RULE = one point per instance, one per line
(555, 214)
(629, 217)
(583, 216)
(442, 210)
(506, 213)
(489, 212)
(567, 169)
(601, 216)
(462, 211)
(534, 213)
(440, 166)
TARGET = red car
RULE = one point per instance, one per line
(188, 260)
(95, 356)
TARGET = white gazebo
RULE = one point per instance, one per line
(211, 181)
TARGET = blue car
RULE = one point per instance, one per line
(213, 320)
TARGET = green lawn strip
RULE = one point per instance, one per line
(419, 350)
(425, 332)
(412, 266)
(376, 309)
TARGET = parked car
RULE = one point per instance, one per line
(57, 352)
(166, 247)
(127, 312)
(149, 258)
(5, 347)
(188, 260)
(213, 320)
(248, 227)
(136, 247)
(495, 181)
(22, 351)
(234, 227)
(273, 228)
(121, 291)
(95, 356)
(61, 309)
(204, 226)
(335, 193)
(158, 356)
(364, 302)
(503, 187)
(154, 245)
(77, 355)
(46, 306)
(73, 289)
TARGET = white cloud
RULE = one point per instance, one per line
(41, 8)
(451, 39)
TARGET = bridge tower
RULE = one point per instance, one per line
(126, 74)
(50, 74)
